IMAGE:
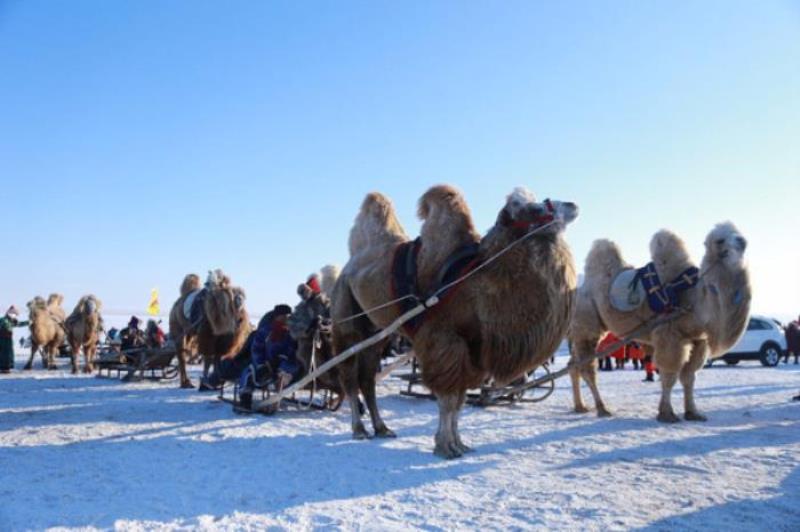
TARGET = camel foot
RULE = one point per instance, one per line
(187, 385)
(360, 433)
(581, 409)
(74, 371)
(88, 369)
(464, 448)
(694, 416)
(603, 412)
(448, 451)
(385, 432)
(27, 367)
(668, 417)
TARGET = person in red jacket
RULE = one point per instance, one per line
(607, 341)
(635, 352)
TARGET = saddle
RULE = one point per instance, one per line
(631, 287)
(405, 277)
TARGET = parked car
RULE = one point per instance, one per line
(763, 340)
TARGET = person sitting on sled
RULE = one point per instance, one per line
(132, 336)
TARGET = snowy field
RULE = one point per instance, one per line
(88, 453)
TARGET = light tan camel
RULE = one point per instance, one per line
(718, 307)
(222, 327)
(82, 328)
(47, 329)
(506, 320)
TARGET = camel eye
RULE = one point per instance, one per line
(720, 241)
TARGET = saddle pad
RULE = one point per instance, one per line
(188, 303)
(626, 293)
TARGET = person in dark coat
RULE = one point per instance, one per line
(132, 336)
(792, 333)
(7, 325)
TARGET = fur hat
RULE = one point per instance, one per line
(282, 310)
(313, 283)
(134, 322)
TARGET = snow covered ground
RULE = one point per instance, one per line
(82, 452)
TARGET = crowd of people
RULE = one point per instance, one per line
(631, 352)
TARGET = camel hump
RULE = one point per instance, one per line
(604, 258)
(376, 222)
(441, 197)
(55, 300)
(667, 248)
(190, 283)
(329, 275)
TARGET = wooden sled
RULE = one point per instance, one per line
(309, 398)
(486, 395)
(148, 363)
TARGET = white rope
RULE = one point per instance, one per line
(456, 281)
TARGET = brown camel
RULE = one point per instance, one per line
(718, 306)
(82, 328)
(221, 329)
(47, 329)
(504, 321)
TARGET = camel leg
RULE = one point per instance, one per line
(181, 352)
(29, 365)
(454, 425)
(665, 412)
(367, 369)
(696, 360)
(76, 352)
(589, 374)
(349, 379)
(88, 353)
(577, 399)
(446, 443)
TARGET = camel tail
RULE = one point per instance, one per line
(376, 222)
(190, 283)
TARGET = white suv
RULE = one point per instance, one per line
(763, 340)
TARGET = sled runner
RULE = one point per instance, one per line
(148, 363)
(488, 394)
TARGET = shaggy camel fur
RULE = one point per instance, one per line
(223, 329)
(504, 321)
(718, 307)
(82, 327)
(47, 329)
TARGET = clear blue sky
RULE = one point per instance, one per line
(143, 140)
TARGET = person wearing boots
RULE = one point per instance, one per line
(792, 333)
(7, 325)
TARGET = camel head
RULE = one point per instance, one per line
(224, 306)
(726, 246)
(89, 305)
(55, 300)
(37, 303)
(523, 212)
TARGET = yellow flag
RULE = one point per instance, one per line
(154, 308)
